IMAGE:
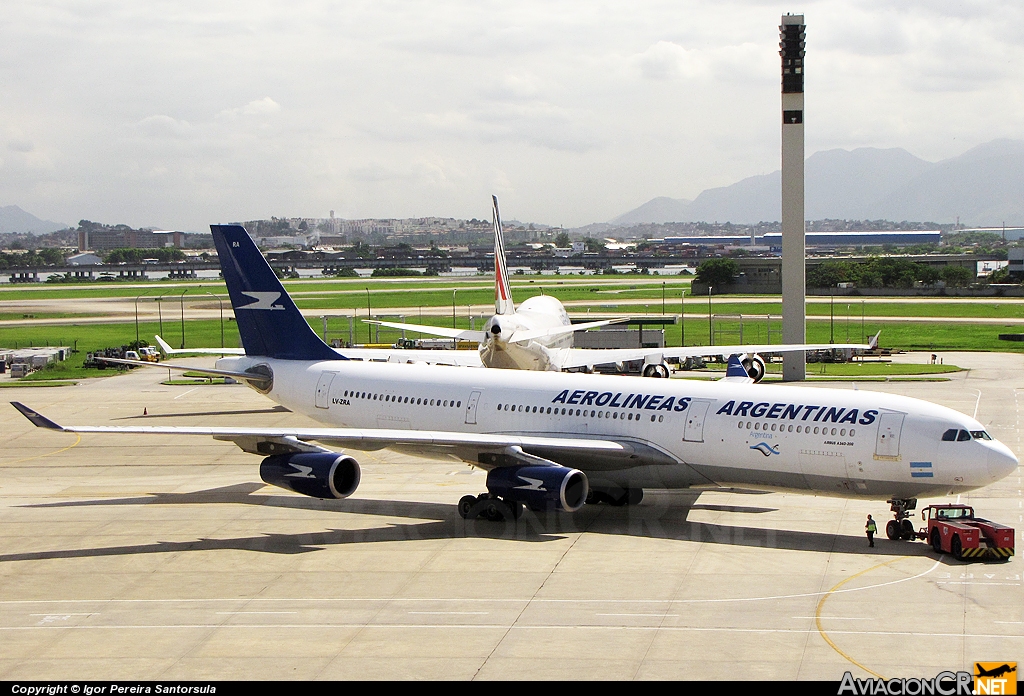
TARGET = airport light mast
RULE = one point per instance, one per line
(794, 312)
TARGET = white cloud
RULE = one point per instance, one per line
(258, 107)
(217, 110)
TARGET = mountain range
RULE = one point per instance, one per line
(984, 187)
(14, 219)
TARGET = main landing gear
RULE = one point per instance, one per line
(901, 528)
(490, 507)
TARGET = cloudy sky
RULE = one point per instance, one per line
(182, 113)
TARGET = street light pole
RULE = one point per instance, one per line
(160, 310)
(137, 319)
(682, 317)
(454, 291)
(222, 317)
(711, 326)
(181, 299)
(369, 336)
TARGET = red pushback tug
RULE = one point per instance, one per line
(955, 530)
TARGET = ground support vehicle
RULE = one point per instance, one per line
(955, 530)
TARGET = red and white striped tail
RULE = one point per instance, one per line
(502, 292)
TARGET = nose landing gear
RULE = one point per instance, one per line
(901, 528)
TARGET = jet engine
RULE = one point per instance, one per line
(754, 365)
(656, 370)
(316, 474)
(540, 487)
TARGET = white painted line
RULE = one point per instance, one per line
(88, 613)
(452, 613)
(186, 393)
(658, 616)
(944, 582)
(506, 627)
(257, 612)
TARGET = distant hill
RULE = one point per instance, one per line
(14, 219)
(983, 186)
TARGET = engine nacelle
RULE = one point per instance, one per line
(316, 474)
(754, 365)
(540, 487)
(656, 370)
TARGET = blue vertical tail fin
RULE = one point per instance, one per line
(268, 321)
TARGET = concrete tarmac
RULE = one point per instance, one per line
(166, 558)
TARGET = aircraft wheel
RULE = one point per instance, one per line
(465, 505)
(956, 548)
(936, 541)
(892, 530)
(496, 510)
(516, 508)
(907, 527)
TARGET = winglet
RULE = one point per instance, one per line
(164, 346)
(735, 368)
(873, 342)
(38, 419)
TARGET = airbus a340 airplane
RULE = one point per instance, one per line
(550, 440)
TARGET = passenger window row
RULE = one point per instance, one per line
(414, 400)
(783, 428)
(585, 413)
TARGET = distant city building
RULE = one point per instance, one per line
(773, 240)
(124, 237)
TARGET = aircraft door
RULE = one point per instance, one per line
(323, 390)
(887, 442)
(471, 405)
(693, 429)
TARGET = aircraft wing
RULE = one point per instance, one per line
(366, 439)
(524, 336)
(587, 357)
(461, 334)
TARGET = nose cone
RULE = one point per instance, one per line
(1001, 461)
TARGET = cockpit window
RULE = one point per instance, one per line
(963, 436)
(980, 435)
(949, 435)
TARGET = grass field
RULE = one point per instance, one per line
(599, 295)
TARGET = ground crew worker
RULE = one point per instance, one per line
(870, 528)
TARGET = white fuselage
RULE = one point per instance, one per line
(835, 442)
(535, 314)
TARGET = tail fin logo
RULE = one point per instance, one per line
(264, 300)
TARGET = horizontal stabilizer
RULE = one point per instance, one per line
(524, 336)
(254, 377)
(460, 334)
(166, 349)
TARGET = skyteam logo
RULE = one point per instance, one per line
(765, 449)
(264, 300)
